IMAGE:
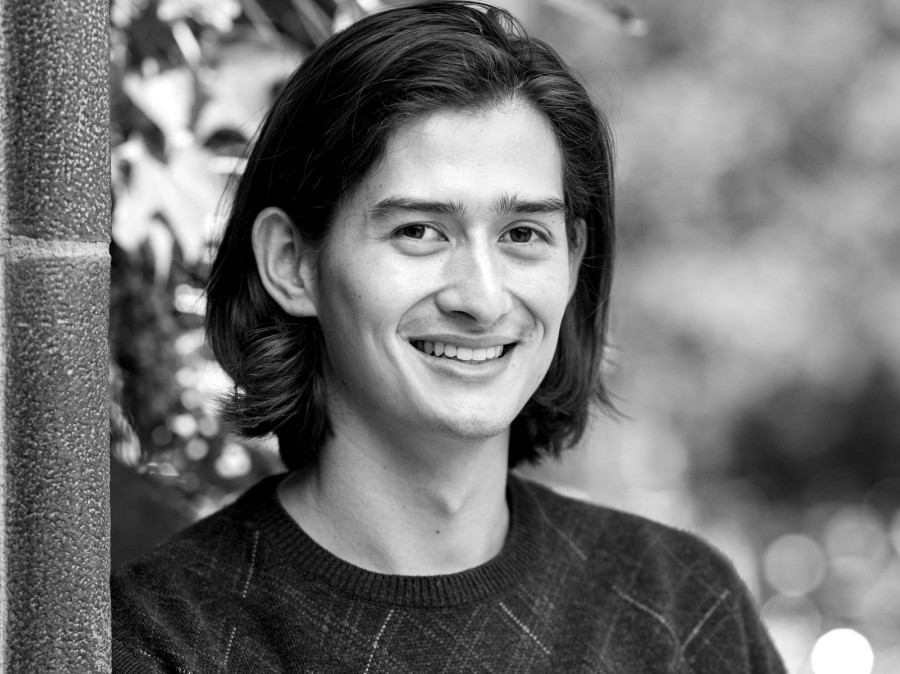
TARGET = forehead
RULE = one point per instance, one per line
(470, 158)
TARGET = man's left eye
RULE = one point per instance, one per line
(413, 232)
(419, 232)
(521, 234)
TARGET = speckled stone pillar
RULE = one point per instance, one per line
(54, 288)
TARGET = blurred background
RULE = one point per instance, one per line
(756, 312)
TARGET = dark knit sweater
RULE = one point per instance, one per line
(576, 588)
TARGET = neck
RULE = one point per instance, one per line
(423, 507)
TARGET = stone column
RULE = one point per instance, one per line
(54, 374)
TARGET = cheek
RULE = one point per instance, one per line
(361, 309)
(344, 289)
(548, 295)
(376, 293)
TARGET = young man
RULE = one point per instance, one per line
(411, 294)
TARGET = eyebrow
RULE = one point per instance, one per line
(513, 205)
(390, 205)
(505, 205)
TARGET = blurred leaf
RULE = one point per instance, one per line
(217, 14)
(180, 196)
(240, 82)
(165, 98)
(316, 21)
(259, 18)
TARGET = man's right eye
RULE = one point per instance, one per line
(419, 232)
(413, 231)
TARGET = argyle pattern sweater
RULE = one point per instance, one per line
(577, 588)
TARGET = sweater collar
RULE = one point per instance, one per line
(294, 555)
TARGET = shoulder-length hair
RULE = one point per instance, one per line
(327, 129)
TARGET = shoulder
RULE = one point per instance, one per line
(658, 585)
(624, 540)
(162, 604)
(206, 549)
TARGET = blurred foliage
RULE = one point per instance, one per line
(757, 301)
(190, 83)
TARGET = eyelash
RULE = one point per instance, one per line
(403, 232)
(527, 228)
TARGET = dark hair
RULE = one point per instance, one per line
(327, 129)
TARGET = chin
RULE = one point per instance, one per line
(473, 429)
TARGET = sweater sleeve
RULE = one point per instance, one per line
(761, 655)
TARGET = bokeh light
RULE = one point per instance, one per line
(196, 449)
(842, 651)
(233, 462)
(856, 531)
(795, 564)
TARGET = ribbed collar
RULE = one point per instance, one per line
(298, 555)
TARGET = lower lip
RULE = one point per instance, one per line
(475, 369)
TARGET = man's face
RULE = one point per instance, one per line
(444, 279)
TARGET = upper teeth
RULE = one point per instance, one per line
(459, 352)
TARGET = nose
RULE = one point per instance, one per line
(475, 284)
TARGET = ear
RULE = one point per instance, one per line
(285, 263)
(576, 253)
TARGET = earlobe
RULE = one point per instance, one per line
(284, 262)
(576, 253)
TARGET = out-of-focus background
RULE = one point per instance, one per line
(756, 313)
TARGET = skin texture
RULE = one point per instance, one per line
(458, 236)
(392, 276)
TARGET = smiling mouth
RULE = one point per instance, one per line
(462, 353)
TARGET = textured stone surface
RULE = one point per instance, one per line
(57, 473)
(55, 117)
(54, 289)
